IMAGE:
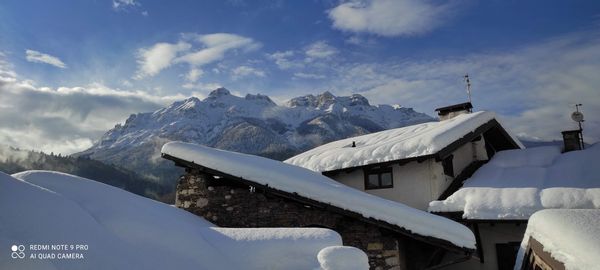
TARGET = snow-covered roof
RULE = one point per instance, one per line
(312, 185)
(126, 231)
(394, 144)
(517, 183)
(571, 236)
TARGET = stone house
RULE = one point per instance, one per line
(237, 190)
(416, 164)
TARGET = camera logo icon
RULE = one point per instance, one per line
(18, 251)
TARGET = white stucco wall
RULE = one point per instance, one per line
(413, 183)
(490, 236)
(469, 152)
(418, 183)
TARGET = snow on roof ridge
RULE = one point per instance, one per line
(393, 144)
(312, 185)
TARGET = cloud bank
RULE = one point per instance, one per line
(64, 119)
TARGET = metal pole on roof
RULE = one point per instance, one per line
(577, 116)
(468, 81)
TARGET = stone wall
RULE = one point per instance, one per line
(230, 205)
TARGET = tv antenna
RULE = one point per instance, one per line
(468, 82)
(577, 116)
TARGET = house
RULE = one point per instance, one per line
(498, 200)
(417, 164)
(561, 239)
(238, 190)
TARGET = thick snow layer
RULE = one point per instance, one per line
(309, 184)
(571, 236)
(126, 231)
(411, 141)
(343, 258)
(517, 183)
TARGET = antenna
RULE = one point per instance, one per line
(577, 116)
(468, 81)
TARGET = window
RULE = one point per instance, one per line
(448, 166)
(506, 254)
(379, 178)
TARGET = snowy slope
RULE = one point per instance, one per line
(309, 184)
(517, 183)
(252, 124)
(571, 236)
(126, 231)
(411, 141)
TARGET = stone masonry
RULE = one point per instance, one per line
(234, 205)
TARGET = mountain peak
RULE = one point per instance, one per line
(326, 99)
(327, 94)
(219, 92)
(357, 99)
(260, 97)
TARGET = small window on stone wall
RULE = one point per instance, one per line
(379, 178)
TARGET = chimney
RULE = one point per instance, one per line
(572, 140)
(451, 111)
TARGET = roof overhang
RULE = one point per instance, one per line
(441, 243)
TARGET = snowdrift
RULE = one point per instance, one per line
(126, 231)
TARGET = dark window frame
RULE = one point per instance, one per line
(506, 254)
(379, 172)
(448, 165)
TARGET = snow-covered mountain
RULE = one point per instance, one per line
(252, 124)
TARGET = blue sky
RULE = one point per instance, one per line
(95, 62)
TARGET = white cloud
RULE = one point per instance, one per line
(158, 57)
(390, 17)
(120, 4)
(320, 49)
(309, 75)
(194, 50)
(38, 57)
(283, 59)
(194, 74)
(243, 71)
(215, 46)
(202, 87)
